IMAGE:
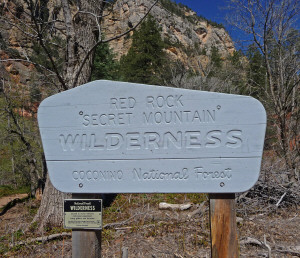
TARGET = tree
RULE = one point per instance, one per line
(104, 65)
(73, 30)
(216, 57)
(256, 73)
(272, 26)
(18, 130)
(145, 56)
(217, 73)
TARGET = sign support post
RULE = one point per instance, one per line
(117, 137)
(86, 242)
(223, 229)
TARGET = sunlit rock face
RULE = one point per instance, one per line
(190, 38)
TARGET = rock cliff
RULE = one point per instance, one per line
(190, 37)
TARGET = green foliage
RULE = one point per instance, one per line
(17, 234)
(172, 7)
(168, 43)
(188, 32)
(235, 69)
(6, 190)
(216, 58)
(104, 66)
(41, 11)
(235, 59)
(107, 235)
(180, 9)
(3, 44)
(145, 56)
(40, 56)
(203, 51)
(15, 154)
(33, 227)
(35, 94)
(192, 19)
(19, 10)
(12, 53)
(190, 51)
(256, 72)
(214, 24)
(216, 62)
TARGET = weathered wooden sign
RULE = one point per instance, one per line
(115, 137)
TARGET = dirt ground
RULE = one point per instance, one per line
(151, 232)
(5, 200)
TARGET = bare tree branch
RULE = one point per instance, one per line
(108, 40)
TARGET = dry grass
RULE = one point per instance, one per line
(150, 232)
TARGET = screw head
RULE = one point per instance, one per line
(81, 113)
(222, 184)
(80, 185)
(218, 107)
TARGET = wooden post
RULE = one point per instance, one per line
(223, 229)
(86, 243)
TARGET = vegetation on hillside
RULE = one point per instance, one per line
(274, 28)
(104, 64)
(181, 9)
(20, 148)
(268, 70)
(145, 56)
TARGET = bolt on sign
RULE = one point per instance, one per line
(117, 137)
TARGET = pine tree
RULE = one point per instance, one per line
(216, 57)
(216, 62)
(104, 65)
(146, 56)
(256, 72)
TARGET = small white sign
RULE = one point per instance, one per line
(83, 213)
(116, 137)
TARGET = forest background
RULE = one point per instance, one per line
(69, 44)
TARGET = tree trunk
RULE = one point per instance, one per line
(82, 21)
(50, 213)
(82, 34)
(80, 28)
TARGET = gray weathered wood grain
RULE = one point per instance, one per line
(122, 137)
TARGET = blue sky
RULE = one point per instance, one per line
(211, 9)
(214, 10)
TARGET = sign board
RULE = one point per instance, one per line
(115, 137)
(83, 213)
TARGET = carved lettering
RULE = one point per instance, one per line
(179, 117)
(169, 101)
(202, 174)
(214, 139)
(97, 175)
(112, 119)
(70, 142)
(133, 141)
(234, 137)
(152, 140)
(154, 174)
(193, 139)
(172, 140)
(122, 103)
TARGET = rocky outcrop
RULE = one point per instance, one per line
(13, 47)
(190, 37)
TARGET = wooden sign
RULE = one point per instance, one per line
(115, 137)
